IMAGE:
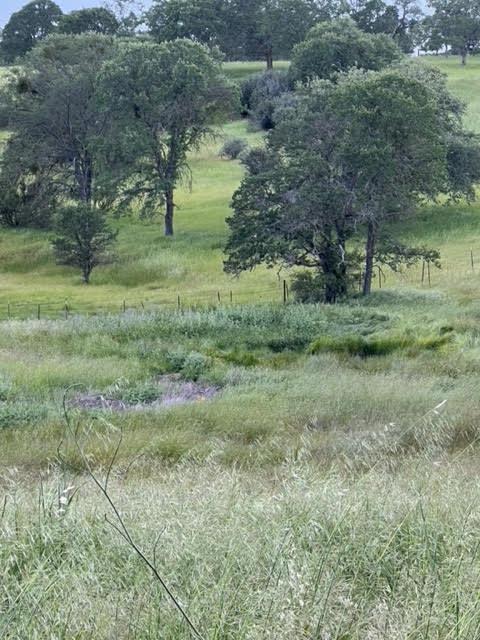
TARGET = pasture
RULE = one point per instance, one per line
(292, 471)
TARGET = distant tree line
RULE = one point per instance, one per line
(253, 29)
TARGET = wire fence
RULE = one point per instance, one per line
(181, 301)
(423, 275)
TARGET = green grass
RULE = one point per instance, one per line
(327, 490)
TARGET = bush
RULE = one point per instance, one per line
(233, 148)
(136, 393)
(259, 96)
(308, 287)
(191, 365)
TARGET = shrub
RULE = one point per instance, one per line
(233, 148)
(308, 287)
(191, 365)
(195, 365)
(259, 94)
(136, 393)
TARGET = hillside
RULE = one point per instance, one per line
(287, 472)
(155, 270)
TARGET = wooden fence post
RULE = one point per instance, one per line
(285, 292)
(471, 260)
(66, 311)
(38, 312)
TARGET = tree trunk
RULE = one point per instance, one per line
(369, 256)
(330, 292)
(169, 209)
(269, 58)
(464, 56)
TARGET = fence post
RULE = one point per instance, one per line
(423, 271)
(66, 310)
(38, 312)
(178, 302)
(218, 296)
(472, 261)
(8, 311)
(124, 306)
(231, 296)
(285, 292)
(428, 272)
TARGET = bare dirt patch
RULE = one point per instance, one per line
(172, 390)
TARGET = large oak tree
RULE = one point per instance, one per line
(350, 157)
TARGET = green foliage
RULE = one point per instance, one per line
(34, 22)
(308, 287)
(19, 414)
(335, 160)
(167, 97)
(399, 20)
(26, 199)
(94, 20)
(56, 122)
(190, 364)
(143, 392)
(83, 238)
(455, 23)
(243, 30)
(334, 47)
(260, 95)
(233, 148)
(357, 345)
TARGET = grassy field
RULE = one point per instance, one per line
(155, 270)
(293, 472)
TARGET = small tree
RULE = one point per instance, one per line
(333, 47)
(83, 239)
(34, 22)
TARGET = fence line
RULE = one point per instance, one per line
(423, 275)
(182, 300)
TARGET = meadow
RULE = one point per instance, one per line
(292, 472)
(155, 270)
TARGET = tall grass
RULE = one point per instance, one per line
(303, 554)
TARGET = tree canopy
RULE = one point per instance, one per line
(339, 45)
(34, 22)
(55, 120)
(349, 157)
(457, 24)
(242, 29)
(95, 20)
(166, 98)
